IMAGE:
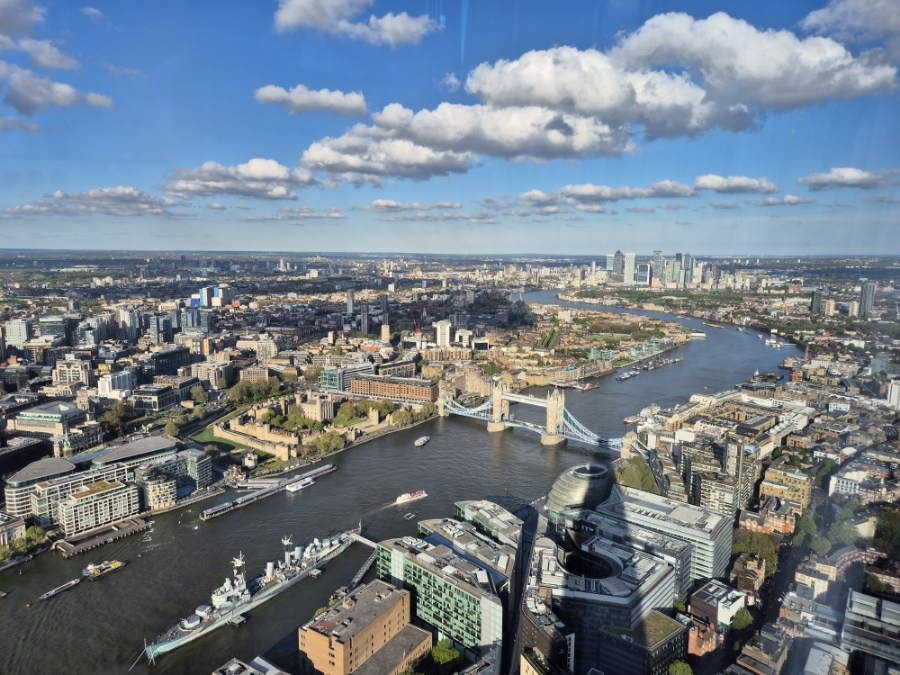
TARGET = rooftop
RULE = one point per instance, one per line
(386, 659)
(41, 470)
(627, 501)
(96, 488)
(653, 630)
(468, 541)
(134, 449)
(502, 524)
(358, 609)
(58, 408)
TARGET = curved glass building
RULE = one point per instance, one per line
(581, 487)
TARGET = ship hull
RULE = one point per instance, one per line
(154, 650)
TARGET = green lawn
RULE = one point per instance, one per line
(207, 438)
(348, 422)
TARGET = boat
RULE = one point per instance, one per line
(759, 336)
(422, 441)
(410, 496)
(409, 516)
(300, 485)
(632, 419)
(59, 589)
(623, 376)
(238, 596)
(714, 325)
(93, 571)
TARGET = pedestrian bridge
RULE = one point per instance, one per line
(560, 426)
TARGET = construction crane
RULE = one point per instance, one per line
(415, 322)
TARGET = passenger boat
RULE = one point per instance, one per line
(422, 441)
(59, 589)
(93, 571)
(300, 485)
(411, 496)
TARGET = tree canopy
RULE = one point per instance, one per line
(444, 653)
(758, 544)
(636, 473)
(680, 668)
(821, 545)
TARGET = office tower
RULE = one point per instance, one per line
(610, 263)
(18, 332)
(678, 258)
(644, 274)
(867, 298)
(618, 262)
(687, 264)
(659, 264)
(384, 307)
(364, 319)
(385, 333)
(628, 269)
(593, 268)
(442, 331)
(708, 532)
(815, 306)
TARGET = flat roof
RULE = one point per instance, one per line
(386, 659)
(654, 629)
(96, 488)
(357, 610)
(625, 501)
(41, 470)
(133, 450)
(53, 408)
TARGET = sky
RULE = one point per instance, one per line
(449, 126)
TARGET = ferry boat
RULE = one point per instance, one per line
(237, 595)
(59, 589)
(93, 571)
(300, 485)
(410, 496)
(422, 441)
(623, 377)
(632, 419)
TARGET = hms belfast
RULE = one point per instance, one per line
(237, 595)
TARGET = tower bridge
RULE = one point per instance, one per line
(560, 425)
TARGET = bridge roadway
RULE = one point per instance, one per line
(362, 540)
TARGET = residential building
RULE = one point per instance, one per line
(17, 332)
(213, 371)
(165, 480)
(628, 269)
(71, 370)
(371, 621)
(49, 494)
(785, 482)
(20, 486)
(443, 333)
(97, 504)
(872, 625)
(765, 652)
(867, 298)
(397, 388)
(717, 603)
(708, 532)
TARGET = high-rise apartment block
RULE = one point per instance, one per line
(867, 298)
(629, 269)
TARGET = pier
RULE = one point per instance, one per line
(110, 534)
(271, 489)
(362, 571)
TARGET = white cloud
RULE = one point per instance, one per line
(334, 17)
(117, 201)
(673, 207)
(847, 177)
(45, 55)
(723, 205)
(858, 21)
(28, 92)
(787, 200)
(13, 124)
(19, 16)
(302, 100)
(641, 209)
(735, 184)
(288, 214)
(451, 82)
(92, 13)
(740, 66)
(257, 179)
(215, 206)
(588, 193)
(479, 218)
(391, 206)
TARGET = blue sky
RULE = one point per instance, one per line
(448, 126)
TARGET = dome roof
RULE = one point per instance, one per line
(583, 486)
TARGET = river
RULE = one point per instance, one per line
(98, 628)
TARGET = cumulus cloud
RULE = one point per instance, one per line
(641, 209)
(28, 92)
(588, 193)
(858, 21)
(257, 179)
(19, 16)
(735, 184)
(288, 214)
(478, 218)
(451, 82)
(13, 124)
(215, 206)
(787, 200)
(334, 17)
(391, 206)
(723, 205)
(302, 100)
(673, 207)
(847, 177)
(44, 53)
(117, 201)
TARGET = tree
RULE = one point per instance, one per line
(117, 416)
(887, 532)
(402, 418)
(443, 653)
(844, 533)
(679, 607)
(429, 408)
(199, 412)
(680, 668)
(821, 545)
(221, 383)
(742, 620)
(212, 450)
(873, 582)
(777, 452)
(386, 407)
(328, 442)
(758, 544)
(821, 477)
(289, 376)
(19, 546)
(172, 428)
(806, 525)
(849, 510)
(199, 395)
(5, 554)
(312, 373)
(35, 535)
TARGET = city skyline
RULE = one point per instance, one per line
(444, 127)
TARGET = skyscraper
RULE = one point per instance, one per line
(867, 298)
(658, 264)
(815, 307)
(618, 262)
(610, 263)
(384, 307)
(364, 319)
(628, 269)
(18, 332)
(350, 296)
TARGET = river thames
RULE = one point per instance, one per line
(98, 628)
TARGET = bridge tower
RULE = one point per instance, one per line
(556, 410)
(445, 395)
(500, 408)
